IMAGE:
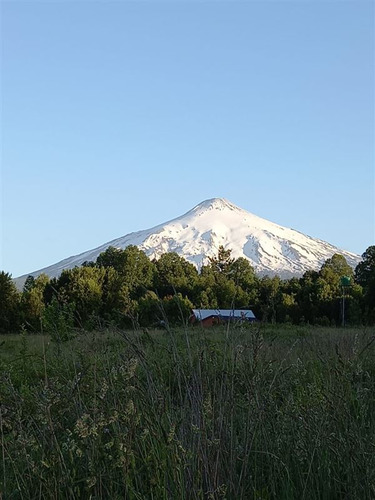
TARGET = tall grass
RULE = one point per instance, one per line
(258, 412)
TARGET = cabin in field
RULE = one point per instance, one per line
(210, 317)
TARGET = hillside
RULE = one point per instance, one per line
(270, 248)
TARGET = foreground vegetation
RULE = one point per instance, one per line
(244, 412)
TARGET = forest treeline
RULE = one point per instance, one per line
(124, 287)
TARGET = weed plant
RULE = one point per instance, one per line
(233, 412)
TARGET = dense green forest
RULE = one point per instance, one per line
(125, 288)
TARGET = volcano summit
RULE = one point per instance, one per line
(270, 248)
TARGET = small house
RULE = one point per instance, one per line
(210, 317)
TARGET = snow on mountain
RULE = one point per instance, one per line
(196, 235)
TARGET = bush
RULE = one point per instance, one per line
(58, 320)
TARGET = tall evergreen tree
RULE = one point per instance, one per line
(9, 304)
(365, 276)
(221, 263)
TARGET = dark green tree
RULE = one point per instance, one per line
(206, 297)
(133, 266)
(114, 291)
(9, 304)
(58, 320)
(32, 302)
(221, 263)
(365, 276)
(174, 274)
(269, 298)
(221, 280)
(307, 297)
(329, 289)
(176, 309)
(336, 266)
(243, 275)
(82, 286)
(112, 257)
(288, 307)
(29, 283)
(150, 309)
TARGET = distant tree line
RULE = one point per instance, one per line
(124, 288)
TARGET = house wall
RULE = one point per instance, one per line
(211, 321)
(217, 320)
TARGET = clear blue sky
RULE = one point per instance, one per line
(117, 116)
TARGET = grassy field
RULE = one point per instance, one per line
(256, 412)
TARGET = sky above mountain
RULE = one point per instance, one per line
(117, 116)
(198, 234)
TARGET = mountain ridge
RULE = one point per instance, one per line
(197, 234)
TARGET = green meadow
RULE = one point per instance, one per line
(233, 412)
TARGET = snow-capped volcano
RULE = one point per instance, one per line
(196, 235)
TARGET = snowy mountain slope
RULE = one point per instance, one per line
(270, 248)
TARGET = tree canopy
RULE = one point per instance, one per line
(125, 287)
(9, 303)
